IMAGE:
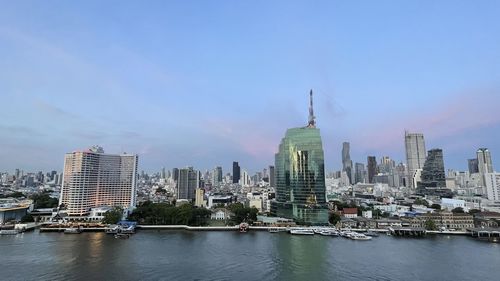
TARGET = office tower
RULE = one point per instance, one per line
(484, 161)
(92, 178)
(360, 173)
(473, 166)
(372, 168)
(175, 174)
(272, 177)
(300, 175)
(245, 179)
(200, 198)
(346, 162)
(187, 183)
(387, 165)
(433, 174)
(415, 153)
(217, 176)
(492, 181)
(236, 172)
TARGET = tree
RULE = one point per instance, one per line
(113, 216)
(420, 201)
(430, 225)
(27, 218)
(458, 210)
(474, 211)
(43, 200)
(436, 206)
(334, 218)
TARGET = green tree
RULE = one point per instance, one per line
(474, 211)
(436, 206)
(420, 201)
(430, 225)
(43, 200)
(334, 218)
(27, 218)
(113, 216)
(458, 210)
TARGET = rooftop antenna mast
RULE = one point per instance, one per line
(312, 123)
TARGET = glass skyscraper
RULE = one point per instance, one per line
(300, 176)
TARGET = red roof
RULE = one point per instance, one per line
(350, 211)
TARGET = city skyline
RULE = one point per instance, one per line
(160, 81)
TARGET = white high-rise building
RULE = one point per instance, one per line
(415, 154)
(92, 179)
(484, 163)
(493, 186)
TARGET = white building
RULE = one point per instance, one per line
(92, 179)
(492, 186)
(450, 204)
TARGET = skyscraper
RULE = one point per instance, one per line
(217, 175)
(372, 168)
(360, 173)
(346, 162)
(484, 164)
(433, 174)
(473, 166)
(187, 183)
(272, 177)
(236, 172)
(300, 175)
(92, 178)
(415, 153)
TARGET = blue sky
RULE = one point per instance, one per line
(204, 83)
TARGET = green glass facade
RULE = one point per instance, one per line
(300, 178)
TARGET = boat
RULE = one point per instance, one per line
(329, 233)
(9, 232)
(302, 231)
(273, 230)
(359, 236)
(244, 227)
(72, 230)
(122, 236)
(112, 229)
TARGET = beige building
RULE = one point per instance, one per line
(447, 220)
(92, 179)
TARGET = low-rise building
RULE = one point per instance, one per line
(444, 220)
(350, 213)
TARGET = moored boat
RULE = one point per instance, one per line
(302, 231)
(72, 230)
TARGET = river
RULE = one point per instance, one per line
(184, 255)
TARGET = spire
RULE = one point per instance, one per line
(312, 123)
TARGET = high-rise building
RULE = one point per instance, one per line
(492, 181)
(300, 175)
(217, 176)
(433, 174)
(92, 179)
(187, 183)
(200, 197)
(484, 161)
(175, 174)
(236, 172)
(347, 162)
(360, 173)
(473, 166)
(372, 168)
(272, 177)
(415, 153)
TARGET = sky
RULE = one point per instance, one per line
(205, 83)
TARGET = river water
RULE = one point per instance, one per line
(184, 255)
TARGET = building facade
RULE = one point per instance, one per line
(347, 162)
(300, 176)
(372, 168)
(236, 172)
(92, 179)
(187, 183)
(433, 174)
(492, 181)
(415, 154)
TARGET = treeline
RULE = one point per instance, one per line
(167, 214)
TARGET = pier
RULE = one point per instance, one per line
(408, 231)
(490, 234)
